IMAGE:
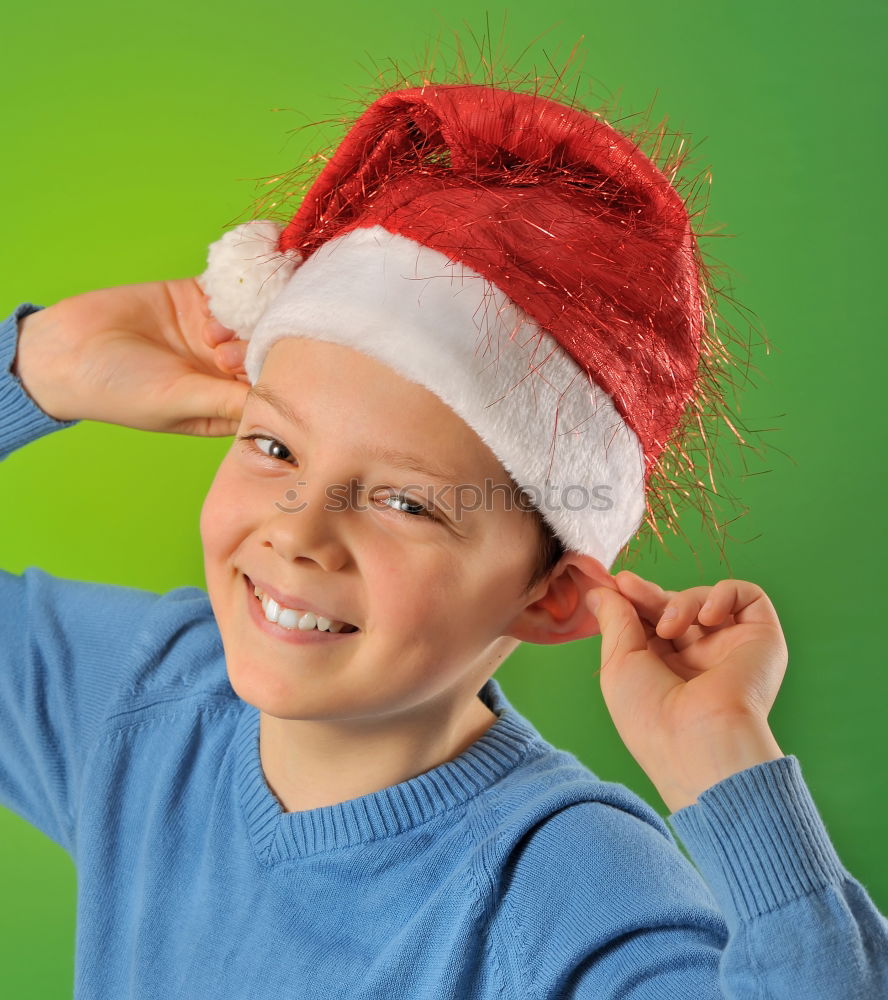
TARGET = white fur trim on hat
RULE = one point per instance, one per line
(441, 325)
(245, 273)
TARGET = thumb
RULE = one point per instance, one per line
(624, 645)
(621, 629)
(210, 401)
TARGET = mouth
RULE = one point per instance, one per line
(300, 623)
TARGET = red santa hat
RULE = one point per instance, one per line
(521, 259)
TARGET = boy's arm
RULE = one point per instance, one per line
(607, 907)
(800, 924)
(148, 356)
(63, 646)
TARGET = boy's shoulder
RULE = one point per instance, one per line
(549, 780)
(570, 842)
(176, 654)
(137, 646)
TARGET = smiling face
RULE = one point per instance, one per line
(432, 593)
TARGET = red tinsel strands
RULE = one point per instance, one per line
(556, 208)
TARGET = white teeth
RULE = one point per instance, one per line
(287, 618)
(305, 621)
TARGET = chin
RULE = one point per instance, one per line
(276, 696)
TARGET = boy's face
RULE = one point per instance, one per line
(432, 596)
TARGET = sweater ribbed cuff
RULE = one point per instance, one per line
(758, 839)
(22, 419)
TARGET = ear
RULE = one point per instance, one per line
(558, 611)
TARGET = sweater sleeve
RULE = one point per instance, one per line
(64, 647)
(22, 419)
(603, 905)
(800, 924)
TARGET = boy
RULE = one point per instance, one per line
(310, 784)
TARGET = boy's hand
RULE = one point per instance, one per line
(148, 356)
(690, 694)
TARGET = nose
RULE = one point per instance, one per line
(304, 525)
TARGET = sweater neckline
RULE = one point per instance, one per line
(279, 836)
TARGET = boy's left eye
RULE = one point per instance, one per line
(403, 504)
(273, 443)
(410, 506)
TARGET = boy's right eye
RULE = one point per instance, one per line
(251, 441)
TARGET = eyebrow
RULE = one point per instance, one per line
(397, 459)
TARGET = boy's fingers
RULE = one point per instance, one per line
(649, 598)
(651, 601)
(747, 602)
(641, 590)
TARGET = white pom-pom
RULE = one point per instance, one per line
(245, 273)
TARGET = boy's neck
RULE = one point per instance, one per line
(308, 765)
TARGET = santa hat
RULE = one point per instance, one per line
(521, 259)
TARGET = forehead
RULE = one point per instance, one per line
(333, 389)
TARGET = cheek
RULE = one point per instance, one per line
(450, 602)
(412, 588)
(219, 514)
(499, 584)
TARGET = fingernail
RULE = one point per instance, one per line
(670, 612)
(594, 602)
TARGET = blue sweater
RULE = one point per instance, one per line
(511, 871)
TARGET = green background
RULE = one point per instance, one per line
(135, 136)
